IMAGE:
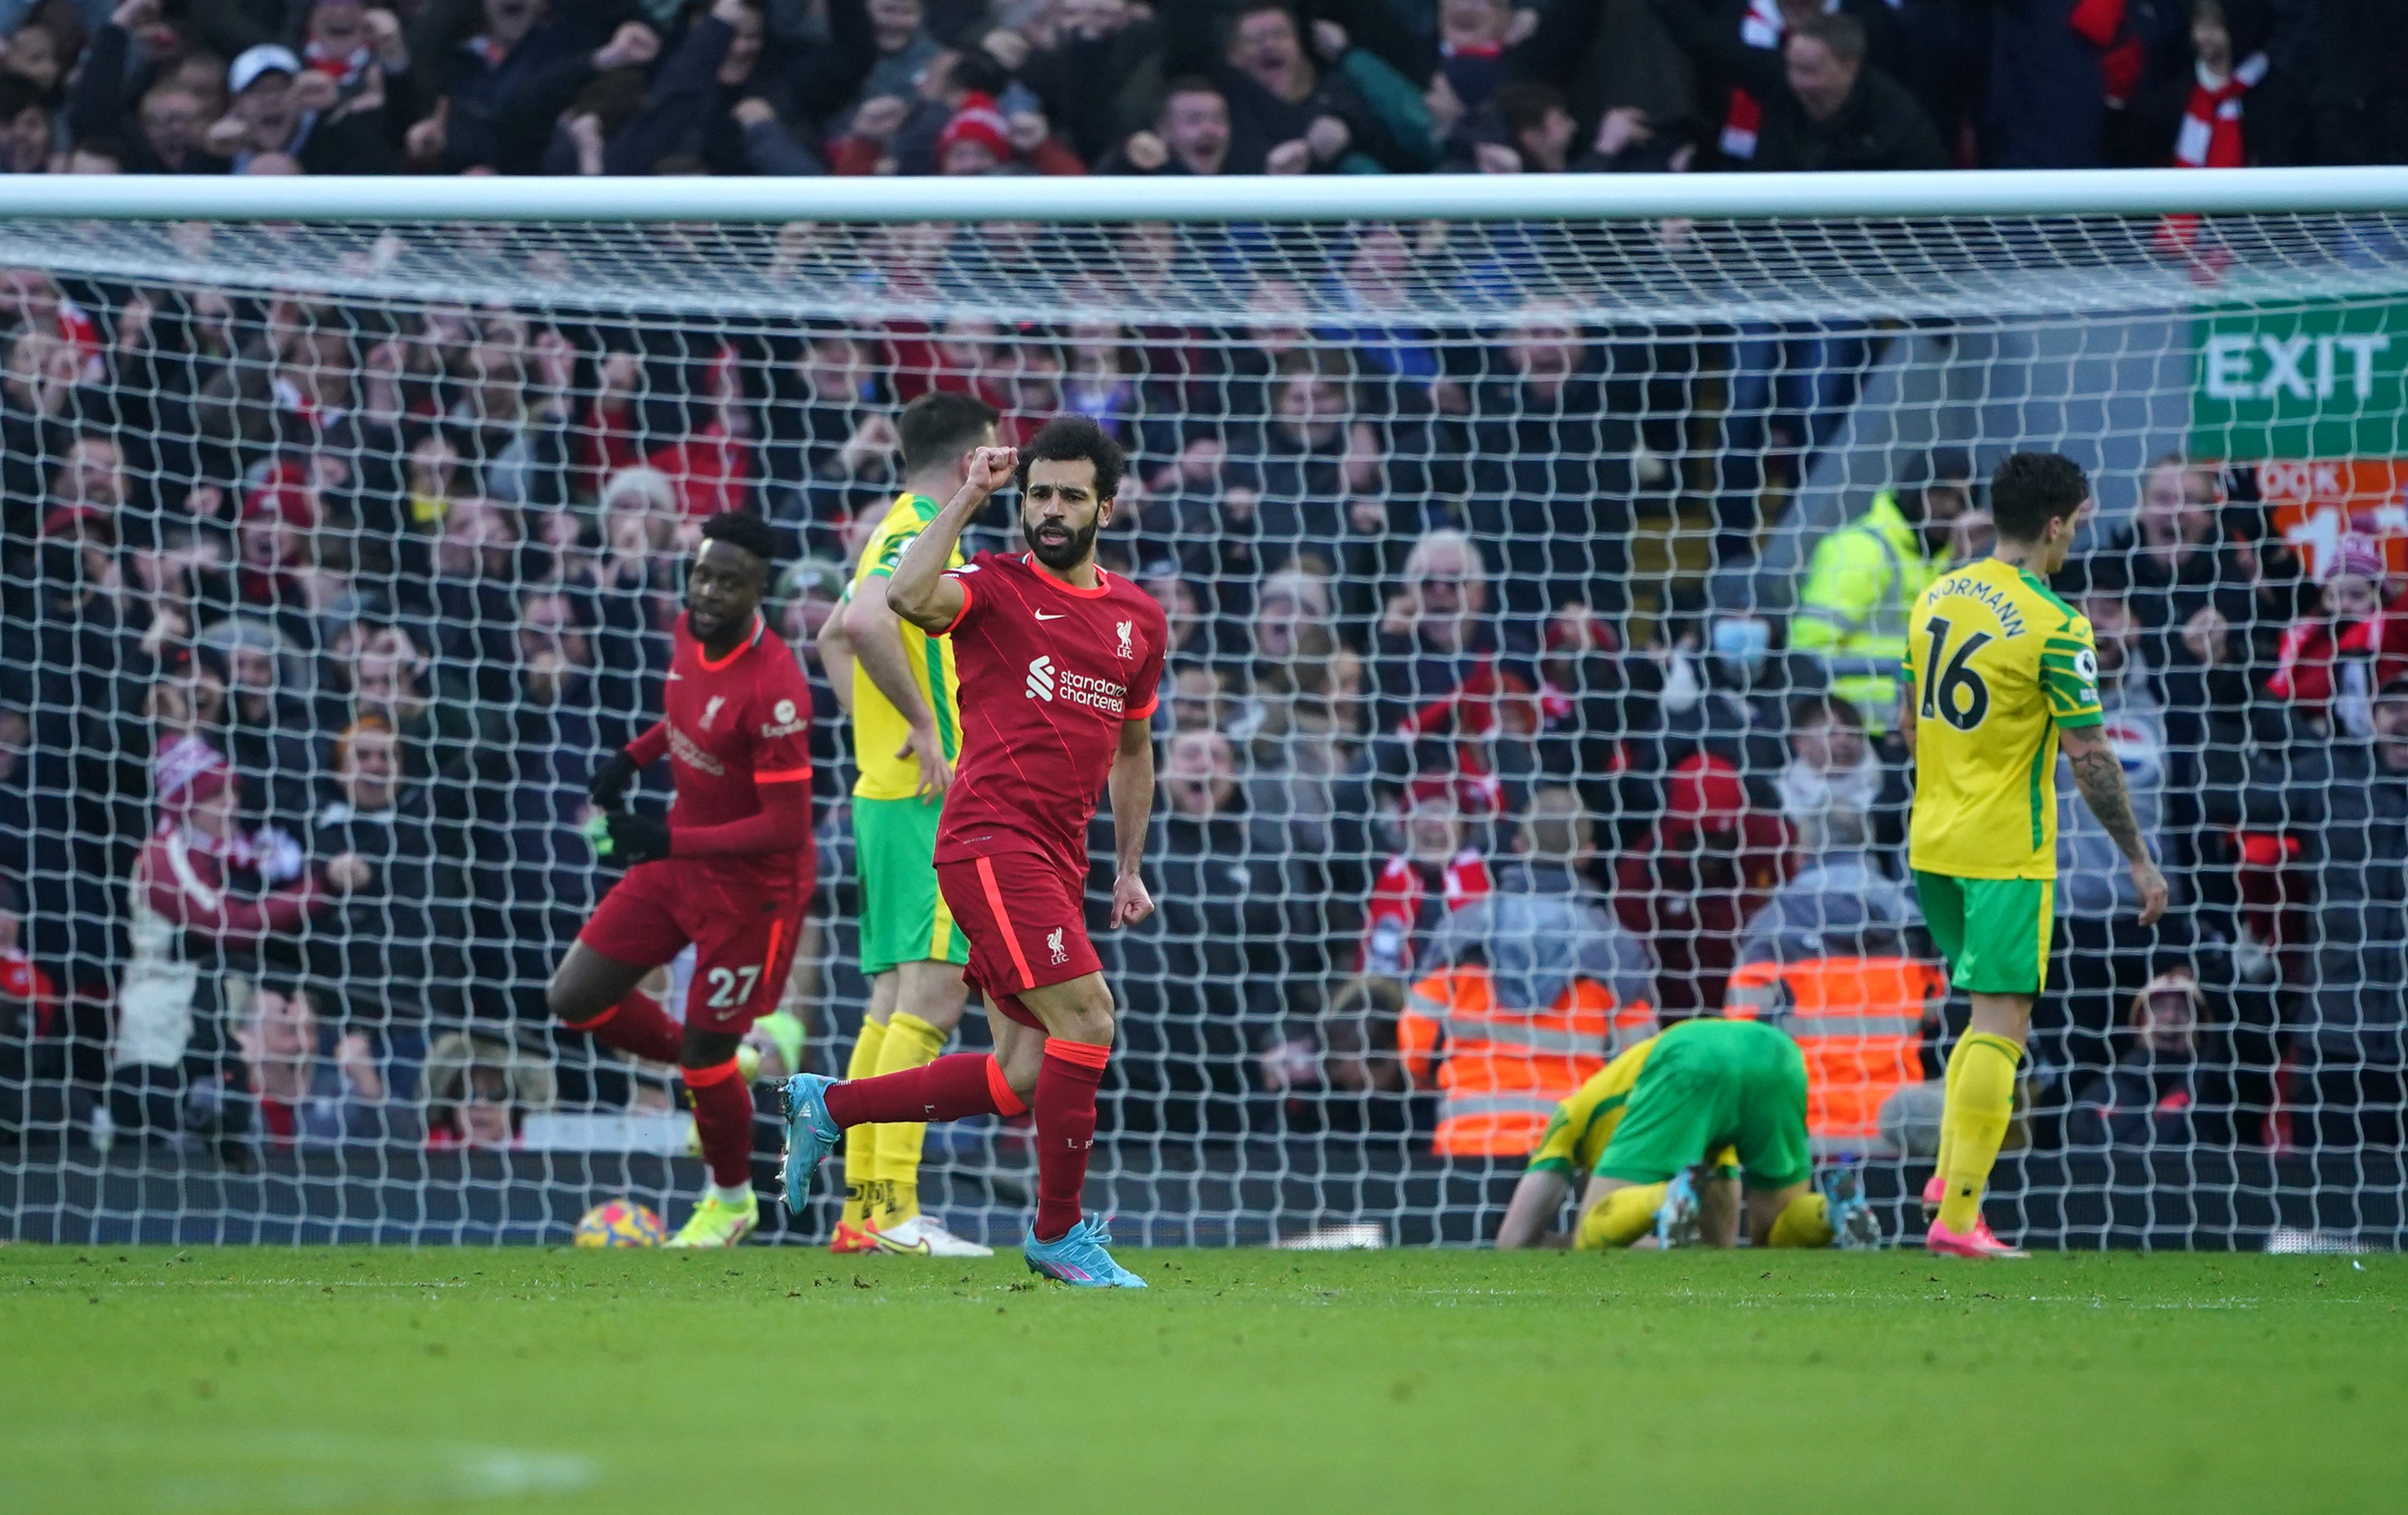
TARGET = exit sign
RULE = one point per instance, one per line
(2328, 380)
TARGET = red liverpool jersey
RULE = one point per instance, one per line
(1049, 673)
(729, 728)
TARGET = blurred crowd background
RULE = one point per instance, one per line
(1195, 86)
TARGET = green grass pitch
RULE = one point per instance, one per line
(343, 1380)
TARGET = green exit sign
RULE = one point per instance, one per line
(2328, 380)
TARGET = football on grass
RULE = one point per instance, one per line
(621, 1222)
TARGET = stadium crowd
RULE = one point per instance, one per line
(321, 611)
(1200, 87)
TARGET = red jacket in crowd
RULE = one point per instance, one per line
(1403, 907)
(1707, 865)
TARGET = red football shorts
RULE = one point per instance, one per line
(1026, 923)
(743, 937)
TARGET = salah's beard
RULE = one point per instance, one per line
(1067, 557)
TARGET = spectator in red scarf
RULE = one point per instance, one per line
(1709, 864)
(1814, 98)
(194, 857)
(2228, 105)
(2330, 664)
(1742, 46)
(358, 49)
(1434, 875)
(196, 912)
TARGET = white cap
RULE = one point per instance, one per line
(267, 58)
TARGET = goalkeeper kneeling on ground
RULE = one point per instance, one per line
(1731, 1094)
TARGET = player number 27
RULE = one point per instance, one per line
(732, 986)
(1957, 695)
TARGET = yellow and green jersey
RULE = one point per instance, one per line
(1582, 1127)
(879, 729)
(1578, 1132)
(1997, 666)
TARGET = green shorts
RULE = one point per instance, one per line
(1710, 1084)
(1994, 931)
(903, 916)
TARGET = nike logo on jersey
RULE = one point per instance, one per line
(675, 677)
(1055, 616)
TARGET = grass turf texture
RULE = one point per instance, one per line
(342, 1380)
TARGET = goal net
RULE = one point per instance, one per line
(1538, 585)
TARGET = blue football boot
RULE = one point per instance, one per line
(1853, 1226)
(1078, 1258)
(812, 1133)
(1676, 1219)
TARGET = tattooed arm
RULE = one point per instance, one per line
(2100, 779)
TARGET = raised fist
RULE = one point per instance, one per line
(425, 140)
(631, 46)
(991, 468)
(1328, 137)
(1145, 150)
(384, 36)
(347, 871)
(881, 118)
(314, 91)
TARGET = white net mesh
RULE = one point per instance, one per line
(1518, 657)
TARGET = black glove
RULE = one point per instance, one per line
(637, 839)
(609, 782)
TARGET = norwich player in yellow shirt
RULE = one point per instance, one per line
(899, 686)
(2001, 673)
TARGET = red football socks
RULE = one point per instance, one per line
(1066, 1131)
(956, 1085)
(637, 1026)
(723, 1117)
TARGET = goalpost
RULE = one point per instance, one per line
(1487, 513)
